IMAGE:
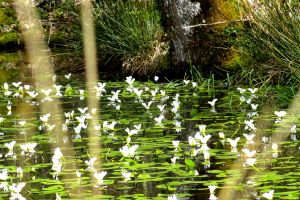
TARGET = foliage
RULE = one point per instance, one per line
(129, 30)
(273, 40)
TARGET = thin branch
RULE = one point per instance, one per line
(217, 23)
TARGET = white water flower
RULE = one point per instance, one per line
(268, 195)
(147, 106)
(100, 88)
(115, 96)
(90, 163)
(47, 95)
(212, 197)
(58, 92)
(131, 132)
(57, 197)
(254, 106)
(249, 138)
(32, 94)
(138, 127)
(110, 126)
(249, 125)
(16, 84)
(192, 141)
(68, 76)
(3, 174)
(28, 148)
(233, 142)
(175, 143)
(156, 78)
(81, 120)
(126, 175)
(275, 147)
(22, 123)
(159, 119)
(99, 176)
(10, 147)
(186, 82)
(130, 80)
(129, 151)
(241, 90)
(194, 84)
(212, 188)
(294, 129)
(173, 160)
(172, 197)
(19, 172)
(202, 128)
(280, 114)
(81, 94)
(15, 190)
(45, 118)
(161, 107)
(248, 153)
(213, 102)
(137, 92)
(252, 90)
(250, 162)
(221, 135)
(206, 155)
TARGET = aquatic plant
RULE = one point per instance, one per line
(272, 38)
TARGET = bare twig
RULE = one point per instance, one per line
(217, 23)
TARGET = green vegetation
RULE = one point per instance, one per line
(272, 40)
(129, 31)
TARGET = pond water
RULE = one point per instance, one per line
(159, 140)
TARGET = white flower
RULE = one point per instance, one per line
(249, 125)
(249, 138)
(138, 92)
(68, 76)
(241, 90)
(264, 139)
(172, 197)
(81, 94)
(138, 127)
(175, 143)
(90, 163)
(156, 78)
(250, 162)
(173, 160)
(110, 126)
(159, 119)
(192, 141)
(45, 118)
(57, 88)
(274, 146)
(206, 154)
(248, 153)
(186, 81)
(126, 175)
(10, 147)
(268, 195)
(3, 174)
(147, 106)
(213, 102)
(212, 197)
(233, 142)
(99, 176)
(280, 114)
(194, 84)
(202, 128)
(15, 190)
(28, 148)
(131, 132)
(212, 188)
(130, 80)
(252, 90)
(16, 84)
(153, 92)
(254, 106)
(161, 107)
(294, 129)
(20, 172)
(128, 151)
(221, 135)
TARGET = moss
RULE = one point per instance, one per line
(8, 25)
(10, 38)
